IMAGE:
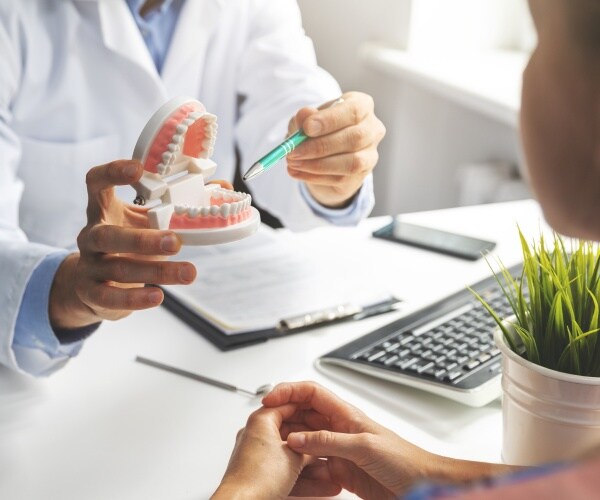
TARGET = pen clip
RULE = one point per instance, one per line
(317, 317)
(337, 313)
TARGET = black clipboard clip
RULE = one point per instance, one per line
(226, 342)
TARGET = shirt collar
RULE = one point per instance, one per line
(136, 5)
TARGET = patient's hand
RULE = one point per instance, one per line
(363, 456)
(262, 466)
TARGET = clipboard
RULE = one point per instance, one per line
(279, 283)
(286, 326)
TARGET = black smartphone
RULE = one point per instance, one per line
(436, 240)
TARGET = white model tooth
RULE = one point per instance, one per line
(210, 151)
(166, 156)
(173, 147)
(177, 138)
(160, 168)
(204, 211)
(226, 197)
(210, 118)
(235, 208)
(218, 194)
(195, 115)
(193, 211)
(179, 209)
(187, 121)
(225, 209)
(206, 143)
(214, 210)
(181, 128)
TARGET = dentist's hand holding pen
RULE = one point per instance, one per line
(341, 150)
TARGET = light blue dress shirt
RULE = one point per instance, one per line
(33, 329)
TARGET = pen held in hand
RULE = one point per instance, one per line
(284, 149)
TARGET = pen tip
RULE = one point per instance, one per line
(253, 171)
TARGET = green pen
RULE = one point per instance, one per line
(285, 148)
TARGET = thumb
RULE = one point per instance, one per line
(298, 119)
(328, 444)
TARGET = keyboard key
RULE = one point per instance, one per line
(391, 346)
(430, 371)
(484, 357)
(472, 364)
(403, 365)
(375, 356)
(406, 339)
(391, 360)
(449, 377)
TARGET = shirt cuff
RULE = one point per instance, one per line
(33, 329)
(360, 208)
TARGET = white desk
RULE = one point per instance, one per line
(107, 427)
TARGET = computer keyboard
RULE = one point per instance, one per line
(446, 348)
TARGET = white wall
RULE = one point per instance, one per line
(428, 137)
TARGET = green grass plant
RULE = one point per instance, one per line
(555, 304)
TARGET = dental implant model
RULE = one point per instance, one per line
(175, 148)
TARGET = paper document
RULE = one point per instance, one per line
(273, 275)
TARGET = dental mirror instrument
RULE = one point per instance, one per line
(260, 391)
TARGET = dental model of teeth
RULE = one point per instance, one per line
(175, 148)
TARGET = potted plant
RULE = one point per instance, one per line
(551, 353)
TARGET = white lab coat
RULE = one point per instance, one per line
(77, 85)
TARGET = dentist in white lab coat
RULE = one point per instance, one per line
(78, 81)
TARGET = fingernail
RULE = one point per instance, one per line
(169, 243)
(313, 127)
(155, 297)
(187, 274)
(131, 170)
(296, 440)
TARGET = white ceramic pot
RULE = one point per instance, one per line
(547, 415)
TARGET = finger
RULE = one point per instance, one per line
(300, 117)
(105, 238)
(274, 416)
(102, 296)
(223, 183)
(351, 111)
(315, 488)
(353, 447)
(287, 429)
(315, 480)
(346, 140)
(311, 396)
(128, 270)
(359, 163)
(304, 420)
(104, 177)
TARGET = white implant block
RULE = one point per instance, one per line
(187, 190)
(202, 166)
(150, 186)
(159, 217)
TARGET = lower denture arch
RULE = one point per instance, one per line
(226, 208)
